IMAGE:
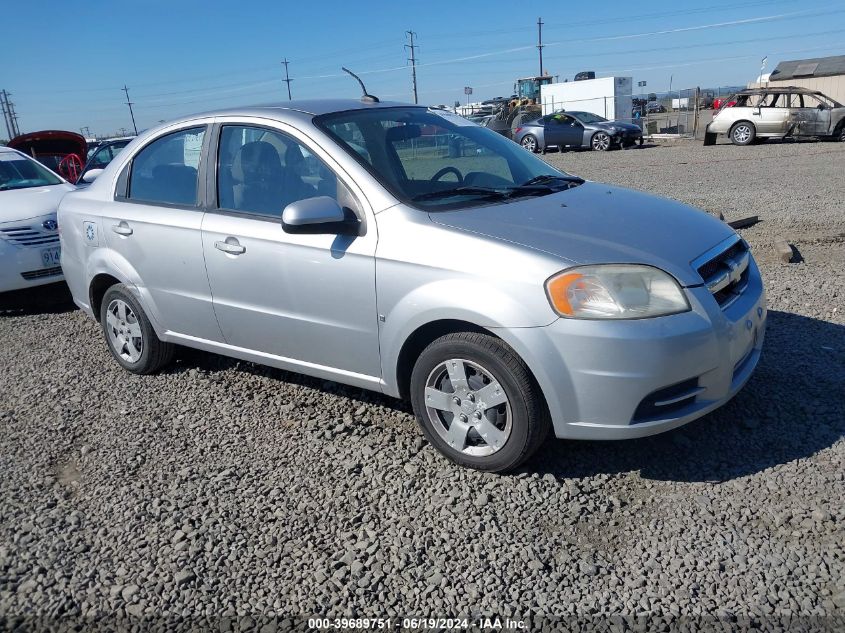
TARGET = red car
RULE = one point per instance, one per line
(723, 102)
(63, 152)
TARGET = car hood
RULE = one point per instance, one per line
(23, 204)
(596, 223)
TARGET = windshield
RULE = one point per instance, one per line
(437, 160)
(19, 172)
(587, 117)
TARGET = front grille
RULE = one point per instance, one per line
(29, 236)
(726, 273)
(44, 272)
(661, 404)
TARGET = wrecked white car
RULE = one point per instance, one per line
(760, 113)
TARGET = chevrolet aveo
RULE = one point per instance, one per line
(410, 251)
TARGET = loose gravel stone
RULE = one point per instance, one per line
(224, 489)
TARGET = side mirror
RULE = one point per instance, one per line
(321, 214)
(91, 175)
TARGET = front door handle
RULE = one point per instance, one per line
(231, 246)
(122, 229)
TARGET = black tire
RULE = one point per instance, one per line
(530, 422)
(839, 134)
(743, 133)
(155, 353)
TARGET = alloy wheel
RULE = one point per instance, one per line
(601, 142)
(742, 133)
(468, 407)
(124, 331)
(529, 143)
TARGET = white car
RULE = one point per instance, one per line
(29, 235)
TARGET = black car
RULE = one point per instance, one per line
(576, 129)
(102, 156)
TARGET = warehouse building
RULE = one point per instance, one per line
(826, 74)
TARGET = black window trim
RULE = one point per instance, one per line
(123, 191)
(211, 196)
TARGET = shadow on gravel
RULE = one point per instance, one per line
(790, 409)
(47, 299)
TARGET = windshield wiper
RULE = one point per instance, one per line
(544, 179)
(462, 191)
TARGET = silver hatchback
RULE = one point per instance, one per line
(412, 252)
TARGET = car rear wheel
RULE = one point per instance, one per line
(129, 334)
(477, 402)
(743, 133)
(529, 142)
(839, 135)
(601, 142)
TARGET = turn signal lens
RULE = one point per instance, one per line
(615, 291)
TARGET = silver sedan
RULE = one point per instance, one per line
(414, 253)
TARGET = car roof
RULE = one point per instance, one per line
(314, 107)
(778, 90)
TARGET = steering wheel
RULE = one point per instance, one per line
(448, 170)
(70, 167)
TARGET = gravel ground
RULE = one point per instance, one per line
(225, 489)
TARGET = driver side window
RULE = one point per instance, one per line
(261, 171)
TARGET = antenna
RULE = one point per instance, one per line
(366, 98)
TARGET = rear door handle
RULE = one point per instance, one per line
(231, 246)
(122, 229)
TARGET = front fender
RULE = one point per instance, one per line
(486, 306)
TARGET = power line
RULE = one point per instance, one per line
(131, 113)
(287, 78)
(413, 60)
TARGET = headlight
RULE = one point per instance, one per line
(615, 291)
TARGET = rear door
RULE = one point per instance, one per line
(309, 299)
(773, 114)
(152, 227)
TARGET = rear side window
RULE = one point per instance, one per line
(166, 170)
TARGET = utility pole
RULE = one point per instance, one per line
(287, 77)
(6, 118)
(14, 118)
(413, 60)
(10, 118)
(131, 113)
(540, 42)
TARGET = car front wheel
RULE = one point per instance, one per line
(743, 133)
(477, 402)
(129, 334)
(529, 142)
(601, 142)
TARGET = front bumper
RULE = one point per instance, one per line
(22, 265)
(607, 380)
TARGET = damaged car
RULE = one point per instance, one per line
(761, 113)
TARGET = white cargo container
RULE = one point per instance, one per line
(609, 97)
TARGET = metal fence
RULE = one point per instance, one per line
(682, 113)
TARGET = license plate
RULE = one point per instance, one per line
(50, 257)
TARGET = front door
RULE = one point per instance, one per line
(153, 229)
(563, 130)
(309, 300)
